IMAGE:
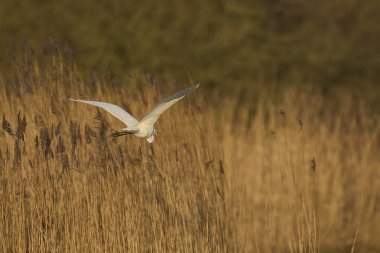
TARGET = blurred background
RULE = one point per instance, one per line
(277, 151)
(219, 43)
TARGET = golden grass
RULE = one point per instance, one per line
(300, 176)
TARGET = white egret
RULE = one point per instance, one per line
(143, 128)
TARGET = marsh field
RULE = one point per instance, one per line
(299, 173)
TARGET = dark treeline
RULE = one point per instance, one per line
(220, 42)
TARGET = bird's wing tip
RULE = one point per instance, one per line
(75, 100)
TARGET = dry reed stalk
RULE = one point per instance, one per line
(252, 178)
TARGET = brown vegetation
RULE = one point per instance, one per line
(300, 175)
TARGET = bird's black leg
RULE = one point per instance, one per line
(121, 133)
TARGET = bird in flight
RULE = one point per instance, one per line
(145, 127)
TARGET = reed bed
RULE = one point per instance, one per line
(300, 174)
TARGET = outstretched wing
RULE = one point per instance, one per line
(115, 110)
(151, 117)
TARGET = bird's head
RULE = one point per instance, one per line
(150, 139)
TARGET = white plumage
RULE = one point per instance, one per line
(143, 128)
